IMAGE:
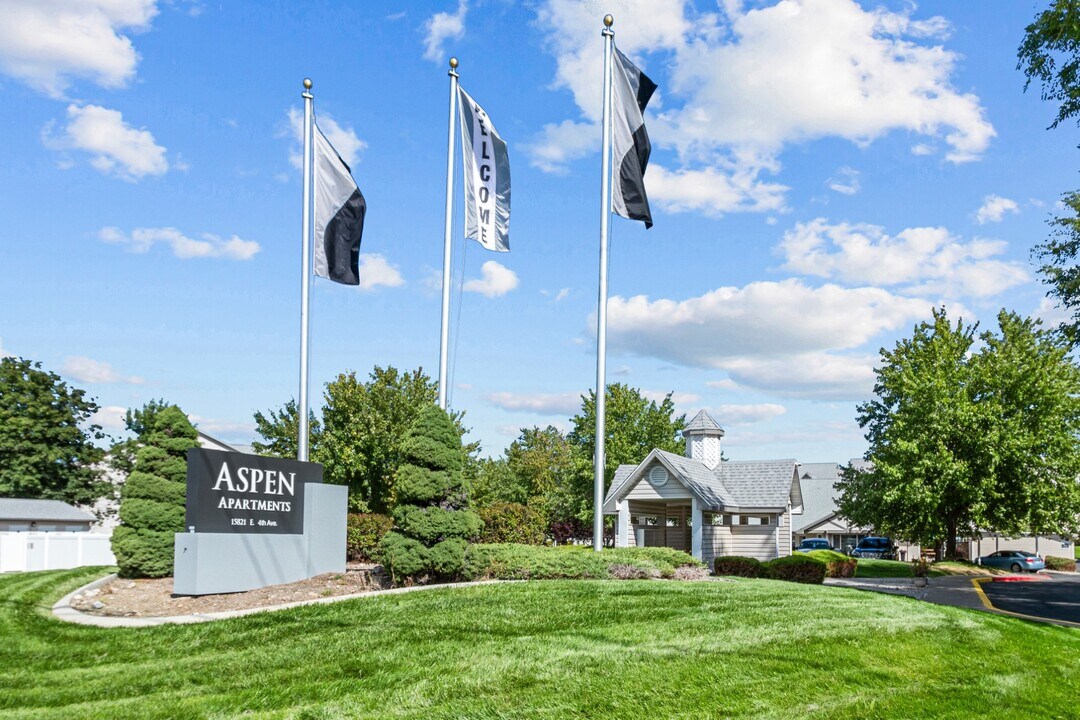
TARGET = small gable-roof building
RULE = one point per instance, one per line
(704, 505)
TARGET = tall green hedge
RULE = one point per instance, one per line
(432, 520)
(152, 499)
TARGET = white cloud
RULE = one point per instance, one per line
(713, 192)
(210, 246)
(110, 417)
(1049, 311)
(540, 403)
(681, 399)
(562, 294)
(559, 144)
(223, 429)
(494, 280)
(743, 85)
(760, 320)
(994, 208)
(815, 375)
(95, 372)
(922, 149)
(925, 260)
(846, 182)
(725, 384)
(343, 138)
(805, 69)
(47, 44)
(116, 147)
(746, 414)
(441, 27)
(376, 271)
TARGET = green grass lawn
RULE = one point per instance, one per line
(550, 649)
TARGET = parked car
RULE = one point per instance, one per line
(880, 548)
(1014, 560)
(813, 544)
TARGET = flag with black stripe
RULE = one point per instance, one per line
(631, 91)
(339, 215)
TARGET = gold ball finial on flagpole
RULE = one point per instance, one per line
(307, 83)
(453, 63)
(608, 21)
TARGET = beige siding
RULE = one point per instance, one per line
(785, 534)
(715, 541)
(673, 490)
(756, 541)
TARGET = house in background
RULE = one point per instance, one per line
(820, 518)
(703, 505)
(24, 515)
(48, 535)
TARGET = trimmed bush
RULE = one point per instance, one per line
(506, 522)
(152, 500)
(1059, 563)
(432, 521)
(837, 565)
(738, 566)
(363, 534)
(508, 561)
(796, 568)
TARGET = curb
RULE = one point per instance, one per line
(62, 609)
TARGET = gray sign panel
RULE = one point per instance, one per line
(229, 492)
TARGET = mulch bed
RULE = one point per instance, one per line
(154, 598)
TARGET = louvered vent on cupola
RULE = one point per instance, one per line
(703, 440)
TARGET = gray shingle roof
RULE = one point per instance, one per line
(703, 422)
(758, 483)
(41, 510)
(733, 485)
(819, 496)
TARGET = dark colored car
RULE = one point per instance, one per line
(880, 548)
(813, 544)
(1014, 560)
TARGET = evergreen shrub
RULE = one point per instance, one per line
(364, 532)
(152, 500)
(796, 568)
(432, 519)
(837, 565)
(1059, 563)
(508, 522)
(511, 561)
(738, 566)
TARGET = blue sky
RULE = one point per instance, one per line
(824, 172)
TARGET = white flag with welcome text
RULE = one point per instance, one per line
(487, 177)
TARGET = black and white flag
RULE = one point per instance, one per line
(631, 91)
(487, 177)
(339, 216)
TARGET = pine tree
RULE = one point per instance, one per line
(153, 497)
(432, 519)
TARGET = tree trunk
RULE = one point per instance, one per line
(950, 539)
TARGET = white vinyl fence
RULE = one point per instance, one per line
(22, 551)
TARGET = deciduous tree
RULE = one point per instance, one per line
(47, 437)
(963, 440)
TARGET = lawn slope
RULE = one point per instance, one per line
(551, 649)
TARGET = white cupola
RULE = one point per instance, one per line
(703, 440)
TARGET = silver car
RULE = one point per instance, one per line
(1013, 560)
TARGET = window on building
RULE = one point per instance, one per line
(672, 522)
(755, 520)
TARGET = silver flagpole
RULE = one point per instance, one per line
(305, 281)
(445, 336)
(601, 309)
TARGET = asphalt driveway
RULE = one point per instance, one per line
(1053, 598)
(1057, 599)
